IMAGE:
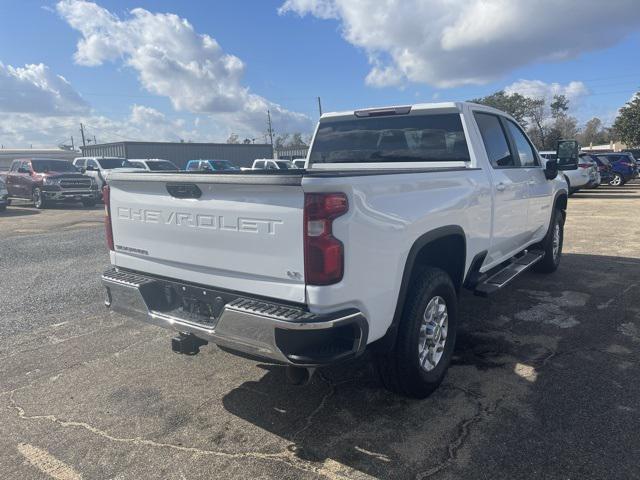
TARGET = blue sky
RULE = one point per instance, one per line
(323, 48)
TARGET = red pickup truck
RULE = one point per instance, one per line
(46, 180)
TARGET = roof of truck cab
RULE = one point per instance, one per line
(417, 108)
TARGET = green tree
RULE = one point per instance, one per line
(539, 129)
(281, 140)
(627, 124)
(594, 133)
(559, 106)
(514, 104)
(233, 138)
(296, 141)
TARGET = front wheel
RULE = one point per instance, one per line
(552, 245)
(617, 180)
(426, 337)
(38, 199)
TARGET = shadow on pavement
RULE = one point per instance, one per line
(543, 379)
(12, 211)
(620, 196)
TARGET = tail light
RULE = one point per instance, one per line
(323, 253)
(106, 198)
(584, 165)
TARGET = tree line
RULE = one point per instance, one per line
(546, 121)
(283, 140)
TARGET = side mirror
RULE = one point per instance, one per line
(83, 170)
(551, 169)
(568, 151)
(89, 168)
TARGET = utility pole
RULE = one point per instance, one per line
(94, 140)
(319, 106)
(73, 147)
(270, 129)
(84, 144)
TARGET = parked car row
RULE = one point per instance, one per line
(595, 169)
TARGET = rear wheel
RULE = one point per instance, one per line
(552, 245)
(617, 180)
(426, 337)
(38, 199)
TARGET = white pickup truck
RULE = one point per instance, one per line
(398, 209)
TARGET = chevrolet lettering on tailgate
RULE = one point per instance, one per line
(212, 222)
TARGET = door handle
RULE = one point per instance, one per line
(500, 187)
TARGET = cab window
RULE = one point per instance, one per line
(525, 151)
(495, 140)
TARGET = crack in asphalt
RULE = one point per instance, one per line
(321, 405)
(59, 341)
(464, 430)
(327, 469)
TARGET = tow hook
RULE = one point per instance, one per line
(299, 375)
(187, 344)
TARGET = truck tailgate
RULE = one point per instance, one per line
(243, 232)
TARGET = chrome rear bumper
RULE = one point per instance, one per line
(254, 327)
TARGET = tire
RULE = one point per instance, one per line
(617, 180)
(401, 370)
(38, 199)
(3, 208)
(552, 245)
(88, 203)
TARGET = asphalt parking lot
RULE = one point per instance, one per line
(544, 382)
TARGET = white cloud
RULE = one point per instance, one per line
(574, 91)
(448, 43)
(35, 89)
(171, 59)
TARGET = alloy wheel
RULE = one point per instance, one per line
(433, 333)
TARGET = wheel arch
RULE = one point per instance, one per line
(445, 248)
(560, 202)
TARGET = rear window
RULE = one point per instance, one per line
(411, 138)
(110, 163)
(161, 166)
(222, 165)
(44, 166)
(284, 164)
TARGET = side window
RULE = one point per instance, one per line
(92, 163)
(26, 166)
(525, 150)
(15, 166)
(272, 166)
(494, 139)
(80, 163)
(260, 164)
